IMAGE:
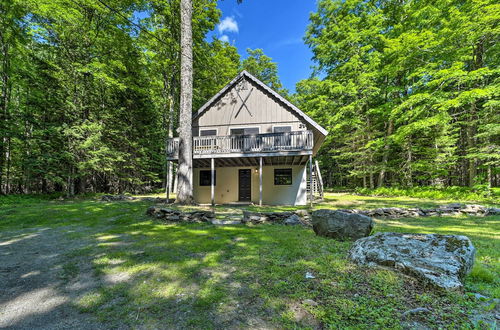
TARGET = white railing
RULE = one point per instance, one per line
(172, 147)
(268, 142)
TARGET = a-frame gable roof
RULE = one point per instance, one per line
(280, 98)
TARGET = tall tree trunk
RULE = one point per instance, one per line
(489, 177)
(185, 170)
(385, 156)
(471, 145)
(409, 160)
(4, 105)
(168, 94)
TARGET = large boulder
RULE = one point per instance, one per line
(341, 225)
(440, 260)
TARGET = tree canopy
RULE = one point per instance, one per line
(408, 90)
(89, 91)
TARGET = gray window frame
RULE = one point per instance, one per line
(209, 173)
(288, 174)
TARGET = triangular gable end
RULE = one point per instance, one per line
(296, 111)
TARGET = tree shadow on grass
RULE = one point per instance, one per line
(114, 267)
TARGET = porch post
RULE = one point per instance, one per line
(260, 181)
(310, 180)
(168, 182)
(212, 188)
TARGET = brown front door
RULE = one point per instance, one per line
(245, 185)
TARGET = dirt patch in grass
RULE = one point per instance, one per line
(34, 272)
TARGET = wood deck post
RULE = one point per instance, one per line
(310, 180)
(260, 181)
(212, 179)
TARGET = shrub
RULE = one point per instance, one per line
(478, 193)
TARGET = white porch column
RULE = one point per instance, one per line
(310, 180)
(212, 187)
(167, 181)
(260, 181)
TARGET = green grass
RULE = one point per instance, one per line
(153, 275)
(478, 194)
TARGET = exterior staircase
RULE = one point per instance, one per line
(317, 183)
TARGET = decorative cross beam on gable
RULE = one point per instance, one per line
(243, 104)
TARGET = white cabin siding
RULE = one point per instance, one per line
(226, 189)
(265, 112)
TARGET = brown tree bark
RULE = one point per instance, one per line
(185, 170)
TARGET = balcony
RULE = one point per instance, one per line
(268, 144)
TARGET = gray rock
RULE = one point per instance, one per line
(171, 215)
(302, 213)
(292, 220)
(440, 260)
(309, 302)
(225, 222)
(479, 296)
(453, 205)
(474, 209)
(418, 310)
(341, 225)
(265, 217)
(493, 211)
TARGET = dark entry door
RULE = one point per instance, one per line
(245, 185)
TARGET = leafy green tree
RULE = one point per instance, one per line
(408, 91)
(262, 67)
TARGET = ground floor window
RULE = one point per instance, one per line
(282, 176)
(206, 177)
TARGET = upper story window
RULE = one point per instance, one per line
(245, 131)
(282, 129)
(283, 140)
(208, 132)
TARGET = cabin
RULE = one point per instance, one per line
(251, 145)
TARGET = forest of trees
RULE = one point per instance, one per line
(90, 89)
(89, 92)
(409, 91)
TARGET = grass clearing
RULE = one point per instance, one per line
(140, 273)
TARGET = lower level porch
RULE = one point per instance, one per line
(267, 160)
(276, 180)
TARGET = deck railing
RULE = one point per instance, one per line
(237, 144)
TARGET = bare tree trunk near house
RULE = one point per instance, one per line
(185, 170)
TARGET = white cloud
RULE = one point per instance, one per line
(228, 24)
(224, 38)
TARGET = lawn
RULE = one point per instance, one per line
(96, 264)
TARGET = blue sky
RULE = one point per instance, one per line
(276, 26)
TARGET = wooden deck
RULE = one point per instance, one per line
(259, 145)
